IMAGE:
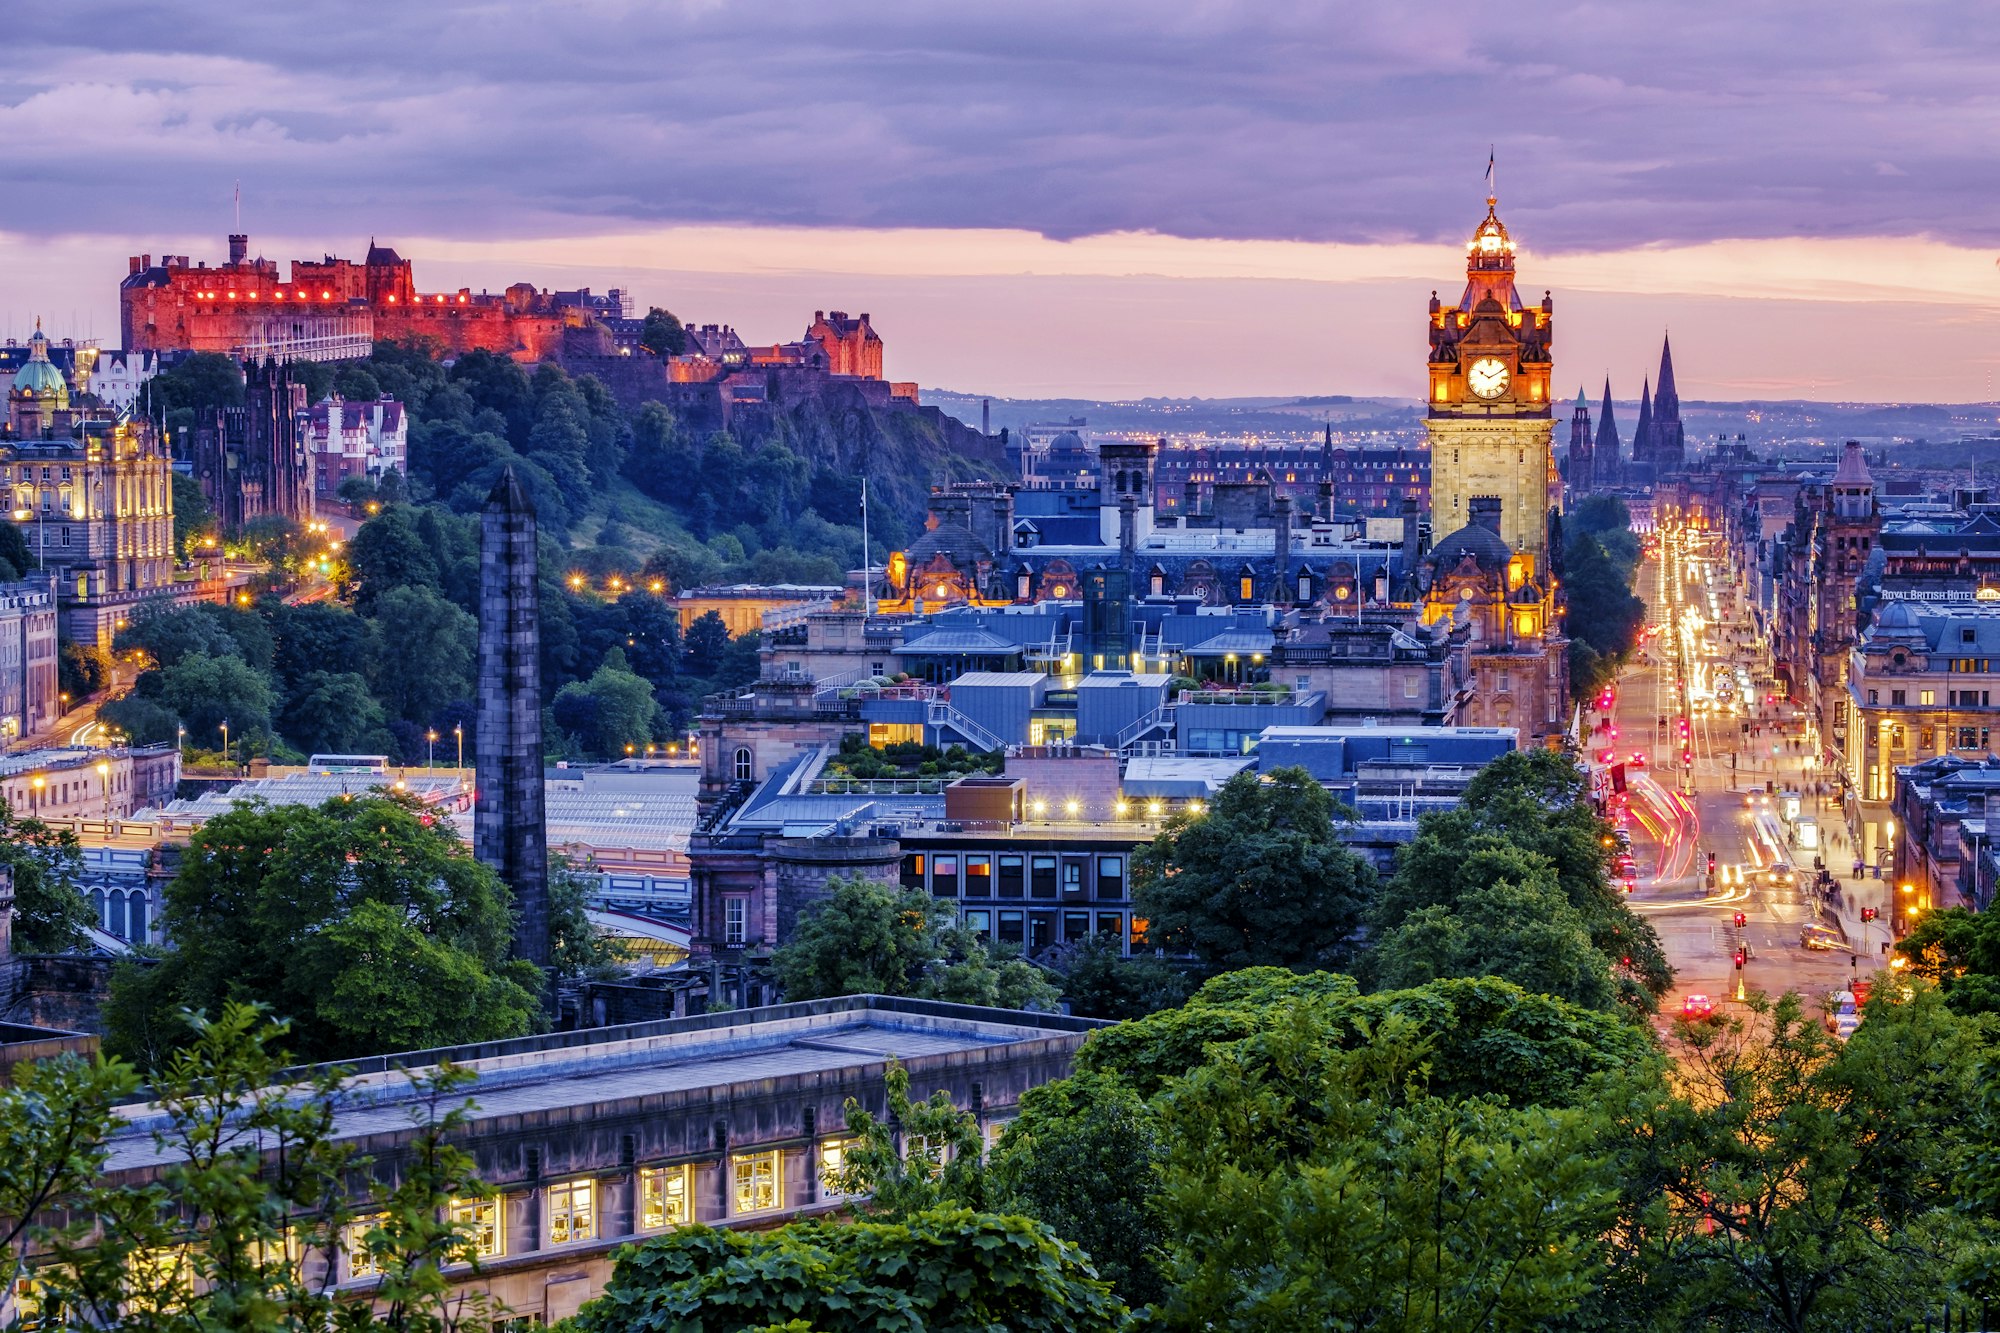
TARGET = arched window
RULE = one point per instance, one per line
(97, 907)
(744, 764)
(135, 917)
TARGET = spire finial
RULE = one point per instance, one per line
(1492, 181)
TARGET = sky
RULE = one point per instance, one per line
(1105, 199)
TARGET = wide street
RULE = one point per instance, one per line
(1707, 771)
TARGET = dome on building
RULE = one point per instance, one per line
(955, 542)
(1488, 549)
(39, 378)
(1897, 620)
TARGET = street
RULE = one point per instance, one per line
(1709, 753)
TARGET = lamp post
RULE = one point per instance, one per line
(430, 752)
(104, 780)
(458, 731)
(225, 741)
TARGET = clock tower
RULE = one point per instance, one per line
(1490, 422)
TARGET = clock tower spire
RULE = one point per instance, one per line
(1490, 421)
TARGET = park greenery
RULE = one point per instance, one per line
(366, 922)
(1600, 564)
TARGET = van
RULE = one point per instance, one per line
(1822, 937)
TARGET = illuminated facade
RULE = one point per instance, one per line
(1490, 422)
(93, 496)
(332, 309)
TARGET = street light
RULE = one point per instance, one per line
(104, 781)
(458, 730)
(430, 752)
(225, 740)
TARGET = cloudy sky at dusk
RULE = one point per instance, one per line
(1038, 198)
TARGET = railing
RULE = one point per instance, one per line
(942, 714)
(784, 617)
(1250, 697)
(839, 786)
(1160, 719)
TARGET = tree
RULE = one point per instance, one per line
(333, 712)
(422, 652)
(365, 921)
(313, 637)
(82, 669)
(166, 633)
(1603, 611)
(1527, 817)
(1260, 879)
(947, 1271)
(50, 911)
(15, 559)
(662, 334)
(249, 1177)
(707, 644)
(204, 692)
(1099, 982)
(194, 521)
(867, 938)
(611, 713)
(140, 721)
(387, 553)
(1958, 952)
(1799, 1183)
(1513, 922)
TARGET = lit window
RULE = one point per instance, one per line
(572, 1211)
(1928, 696)
(663, 1197)
(161, 1279)
(361, 1262)
(925, 1157)
(479, 1220)
(833, 1155)
(754, 1178)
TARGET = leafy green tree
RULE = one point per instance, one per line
(204, 692)
(1603, 611)
(50, 911)
(1512, 922)
(364, 921)
(1957, 951)
(82, 669)
(387, 553)
(947, 1271)
(1098, 982)
(194, 519)
(920, 1156)
(422, 652)
(867, 938)
(662, 334)
(1260, 879)
(15, 559)
(576, 948)
(1526, 816)
(1799, 1183)
(611, 711)
(1307, 1184)
(140, 721)
(707, 644)
(314, 637)
(199, 383)
(166, 633)
(333, 712)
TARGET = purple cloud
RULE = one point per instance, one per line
(1616, 124)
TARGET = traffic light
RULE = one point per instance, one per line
(1742, 920)
(1711, 863)
(1869, 914)
(1739, 958)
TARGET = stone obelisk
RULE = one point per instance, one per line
(509, 832)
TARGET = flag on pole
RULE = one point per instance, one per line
(1489, 171)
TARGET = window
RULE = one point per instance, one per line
(1111, 877)
(1927, 697)
(754, 1182)
(517, 1323)
(944, 876)
(1895, 698)
(925, 1157)
(735, 920)
(360, 1262)
(1042, 881)
(1013, 927)
(1246, 588)
(479, 1220)
(572, 1211)
(1111, 925)
(913, 870)
(1041, 931)
(1409, 687)
(832, 1161)
(1872, 697)
(979, 923)
(663, 1197)
(1506, 684)
(745, 764)
(978, 876)
(1072, 880)
(1075, 925)
(1011, 876)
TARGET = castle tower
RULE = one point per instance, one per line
(1490, 422)
(1669, 442)
(1580, 479)
(1605, 455)
(509, 831)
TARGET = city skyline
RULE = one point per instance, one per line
(1228, 202)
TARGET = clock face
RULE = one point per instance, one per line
(1487, 377)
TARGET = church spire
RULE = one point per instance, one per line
(1667, 402)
